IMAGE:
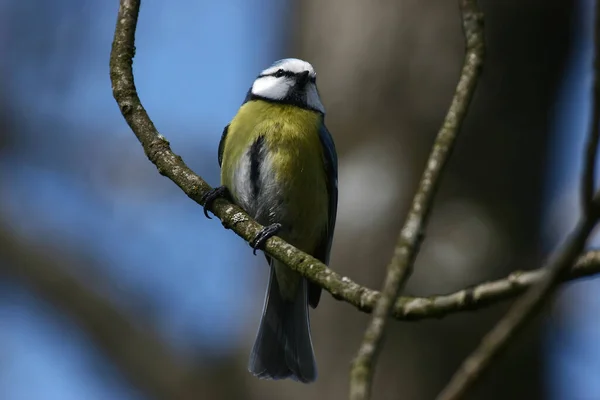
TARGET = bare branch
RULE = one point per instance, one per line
(400, 267)
(498, 338)
(488, 293)
(522, 311)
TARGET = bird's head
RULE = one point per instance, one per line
(289, 81)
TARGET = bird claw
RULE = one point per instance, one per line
(209, 198)
(261, 238)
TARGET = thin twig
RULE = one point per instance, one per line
(485, 294)
(498, 338)
(524, 308)
(400, 267)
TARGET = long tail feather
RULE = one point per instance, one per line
(283, 346)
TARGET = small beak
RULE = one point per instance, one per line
(302, 79)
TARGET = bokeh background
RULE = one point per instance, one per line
(110, 274)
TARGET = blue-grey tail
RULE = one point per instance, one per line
(283, 346)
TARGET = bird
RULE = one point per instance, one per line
(279, 163)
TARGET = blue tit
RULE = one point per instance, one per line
(278, 162)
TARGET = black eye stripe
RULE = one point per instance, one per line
(287, 74)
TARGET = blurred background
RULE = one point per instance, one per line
(113, 285)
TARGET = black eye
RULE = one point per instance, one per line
(279, 73)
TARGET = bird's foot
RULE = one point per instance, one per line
(261, 238)
(210, 197)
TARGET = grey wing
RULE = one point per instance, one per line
(331, 170)
(222, 144)
(330, 163)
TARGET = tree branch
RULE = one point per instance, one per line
(488, 293)
(400, 267)
(499, 337)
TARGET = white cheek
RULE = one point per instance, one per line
(312, 98)
(271, 87)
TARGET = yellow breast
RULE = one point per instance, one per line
(295, 155)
